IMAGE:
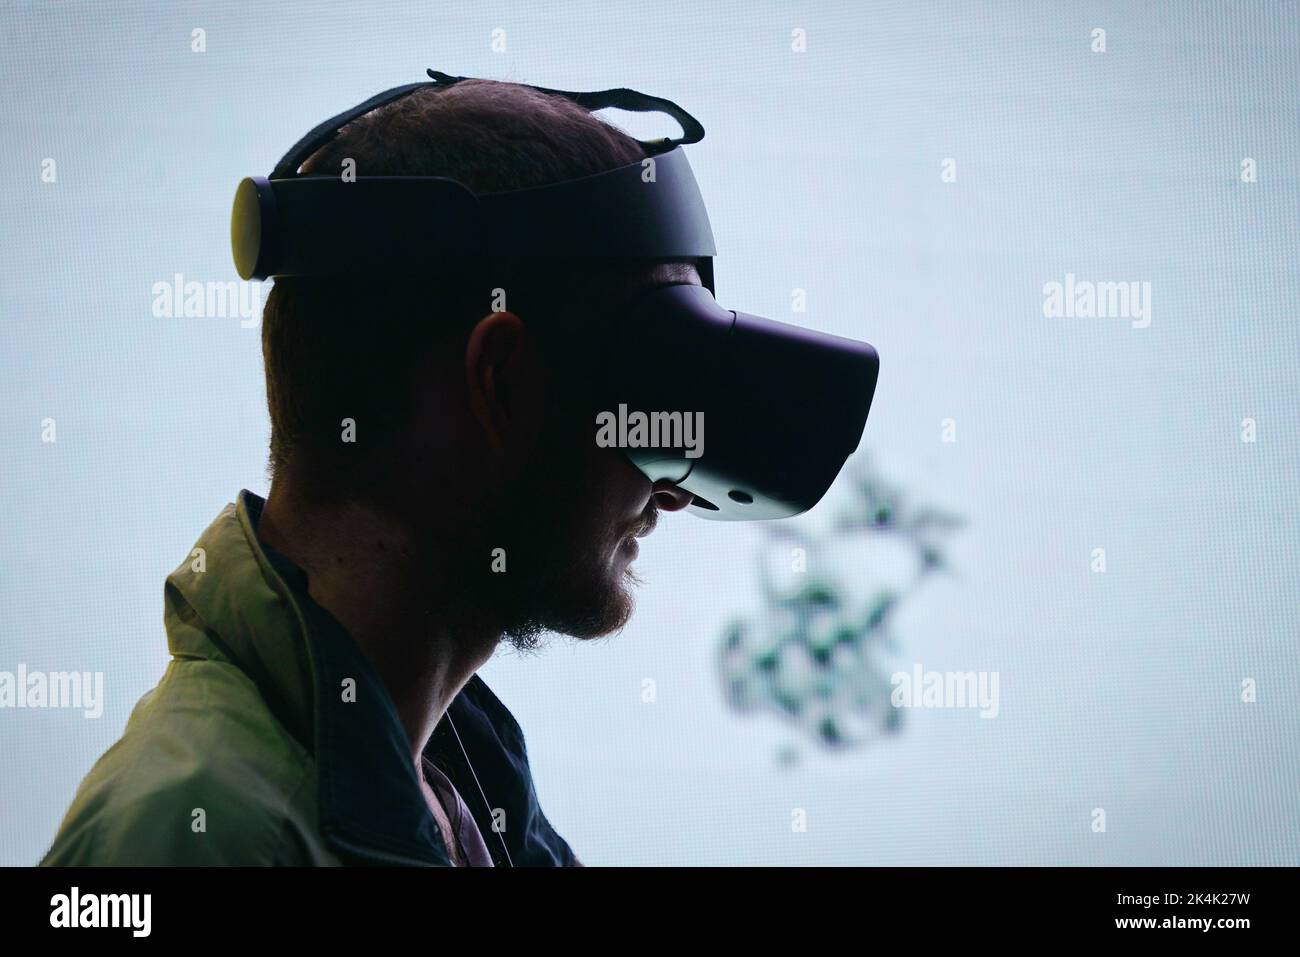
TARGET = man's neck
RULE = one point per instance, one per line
(391, 596)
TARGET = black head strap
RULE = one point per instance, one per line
(621, 98)
(624, 99)
(324, 132)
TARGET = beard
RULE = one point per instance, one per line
(560, 564)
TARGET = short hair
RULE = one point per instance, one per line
(347, 348)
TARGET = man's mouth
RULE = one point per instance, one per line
(640, 530)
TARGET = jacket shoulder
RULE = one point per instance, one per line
(203, 774)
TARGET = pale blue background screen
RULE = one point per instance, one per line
(912, 175)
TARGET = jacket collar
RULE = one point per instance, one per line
(254, 610)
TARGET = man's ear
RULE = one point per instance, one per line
(496, 367)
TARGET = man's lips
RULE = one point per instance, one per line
(639, 531)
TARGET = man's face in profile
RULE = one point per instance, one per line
(573, 516)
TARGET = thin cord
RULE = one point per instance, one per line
(474, 775)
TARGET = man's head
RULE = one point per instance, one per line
(465, 414)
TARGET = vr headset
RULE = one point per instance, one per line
(782, 407)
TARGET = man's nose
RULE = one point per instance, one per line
(669, 497)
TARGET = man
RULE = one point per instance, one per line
(436, 489)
